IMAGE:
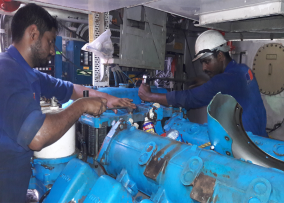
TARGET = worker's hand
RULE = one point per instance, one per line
(94, 105)
(144, 92)
(120, 102)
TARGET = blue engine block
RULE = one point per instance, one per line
(136, 166)
(164, 170)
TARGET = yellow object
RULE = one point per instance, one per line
(205, 145)
(86, 68)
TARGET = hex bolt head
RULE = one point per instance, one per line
(228, 153)
(227, 138)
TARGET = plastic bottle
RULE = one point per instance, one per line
(148, 126)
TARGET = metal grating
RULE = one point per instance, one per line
(97, 62)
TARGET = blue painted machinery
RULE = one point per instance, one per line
(215, 162)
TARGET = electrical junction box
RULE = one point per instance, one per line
(142, 39)
(80, 70)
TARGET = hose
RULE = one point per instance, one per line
(115, 78)
(44, 196)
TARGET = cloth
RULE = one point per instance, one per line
(20, 119)
(238, 81)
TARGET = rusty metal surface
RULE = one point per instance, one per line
(159, 162)
(203, 188)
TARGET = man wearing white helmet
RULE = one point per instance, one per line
(227, 77)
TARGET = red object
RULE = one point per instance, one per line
(173, 65)
(164, 135)
(250, 74)
(49, 68)
(9, 5)
(230, 44)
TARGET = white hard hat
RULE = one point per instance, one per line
(209, 41)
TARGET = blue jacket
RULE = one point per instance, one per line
(238, 81)
(20, 119)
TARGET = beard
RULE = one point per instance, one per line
(38, 57)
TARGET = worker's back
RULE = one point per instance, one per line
(239, 82)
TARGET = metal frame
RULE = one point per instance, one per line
(98, 23)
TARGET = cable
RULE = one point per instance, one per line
(189, 53)
(128, 77)
(44, 196)
(71, 31)
(119, 76)
(115, 79)
(87, 73)
(124, 78)
(275, 127)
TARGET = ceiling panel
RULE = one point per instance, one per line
(89, 5)
(185, 8)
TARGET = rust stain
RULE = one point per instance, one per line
(214, 174)
(226, 176)
(157, 163)
(203, 188)
(165, 166)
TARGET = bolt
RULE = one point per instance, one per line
(121, 127)
(227, 138)
(212, 147)
(228, 153)
(150, 147)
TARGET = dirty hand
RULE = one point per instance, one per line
(144, 92)
(120, 102)
(94, 105)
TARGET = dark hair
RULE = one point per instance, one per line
(226, 54)
(29, 15)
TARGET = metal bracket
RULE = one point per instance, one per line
(125, 180)
(203, 188)
(259, 190)
(147, 153)
(159, 161)
(117, 127)
(160, 196)
(191, 170)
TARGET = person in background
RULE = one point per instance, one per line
(226, 76)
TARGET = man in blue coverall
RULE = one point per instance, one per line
(227, 77)
(23, 127)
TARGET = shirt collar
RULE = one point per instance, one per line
(230, 65)
(15, 54)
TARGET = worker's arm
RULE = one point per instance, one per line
(112, 100)
(145, 94)
(193, 98)
(56, 125)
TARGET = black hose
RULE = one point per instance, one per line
(44, 196)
